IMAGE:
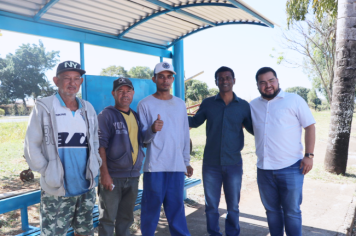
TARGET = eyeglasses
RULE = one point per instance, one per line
(76, 80)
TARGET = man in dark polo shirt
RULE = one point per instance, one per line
(226, 115)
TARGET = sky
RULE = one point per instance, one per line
(244, 48)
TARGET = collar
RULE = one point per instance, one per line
(64, 105)
(281, 94)
(236, 98)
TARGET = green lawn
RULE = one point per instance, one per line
(12, 137)
(12, 163)
(249, 158)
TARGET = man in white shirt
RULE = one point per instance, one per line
(278, 118)
(166, 133)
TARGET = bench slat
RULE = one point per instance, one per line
(28, 199)
(20, 201)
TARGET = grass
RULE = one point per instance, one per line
(12, 163)
(249, 157)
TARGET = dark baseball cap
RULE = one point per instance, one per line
(121, 82)
(69, 66)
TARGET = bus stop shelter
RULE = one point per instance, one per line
(152, 27)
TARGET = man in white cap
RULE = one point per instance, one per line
(166, 133)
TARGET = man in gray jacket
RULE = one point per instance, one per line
(120, 140)
(62, 145)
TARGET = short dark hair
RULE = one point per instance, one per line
(222, 69)
(264, 70)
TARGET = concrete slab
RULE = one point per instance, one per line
(327, 211)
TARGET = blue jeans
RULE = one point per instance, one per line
(166, 188)
(281, 193)
(213, 178)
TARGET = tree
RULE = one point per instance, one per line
(46, 89)
(313, 99)
(23, 74)
(196, 90)
(213, 91)
(315, 41)
(298, 9)
(301, 91)
(141, 72)
(116, 71)
(137, 72)
(342, 104)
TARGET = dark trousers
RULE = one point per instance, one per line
(166, 188)
(281, 193)
(116, 207)
(230, 177)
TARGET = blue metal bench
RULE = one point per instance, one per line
(28, 199)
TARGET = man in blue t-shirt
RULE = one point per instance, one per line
(62, 145)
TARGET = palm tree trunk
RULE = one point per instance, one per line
(343, 94)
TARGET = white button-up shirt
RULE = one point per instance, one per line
(277, 125)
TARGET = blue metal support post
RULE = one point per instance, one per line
(178, 64)
(178, 86)
(24, 218)
(82, 63)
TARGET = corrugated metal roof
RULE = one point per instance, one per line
(159, 22)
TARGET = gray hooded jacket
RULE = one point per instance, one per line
(41, 146)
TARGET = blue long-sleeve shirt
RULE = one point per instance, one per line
(224, 135)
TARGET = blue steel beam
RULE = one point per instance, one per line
(249, 11)
(208, 27)
(3, 13)
(169, 7)
(178, 64)
(44, 9)
(82, 63)
(27, 25)
(172, 9)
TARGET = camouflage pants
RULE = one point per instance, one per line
(59, 213)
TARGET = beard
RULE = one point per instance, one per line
(270, 96)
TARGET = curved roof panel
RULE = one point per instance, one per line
(157, 22)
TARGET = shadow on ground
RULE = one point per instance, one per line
(251, 225)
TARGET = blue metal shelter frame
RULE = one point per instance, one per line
(36, 26)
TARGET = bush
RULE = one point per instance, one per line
(2, 112)
(22, 111)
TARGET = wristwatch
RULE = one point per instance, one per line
(310, 155)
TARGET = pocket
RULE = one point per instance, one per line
(123, 162)
(52, 174)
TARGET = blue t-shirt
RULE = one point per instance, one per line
(72, 147)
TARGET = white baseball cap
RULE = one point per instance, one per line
(164, 66)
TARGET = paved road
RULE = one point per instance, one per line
(14, 119)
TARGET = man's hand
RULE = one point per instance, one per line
(157, 125)
(306, 164)
(106, 181)
(189, 171)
